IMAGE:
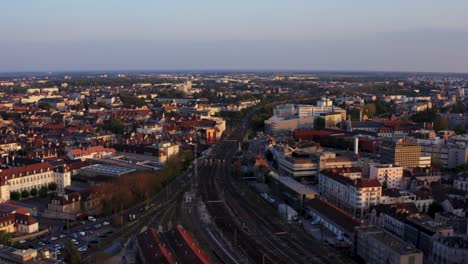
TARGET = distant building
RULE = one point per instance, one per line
(96, 152)
(377, 246)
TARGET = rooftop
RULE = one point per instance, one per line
(389, 241)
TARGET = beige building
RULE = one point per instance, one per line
(401, 153)
(377, 246)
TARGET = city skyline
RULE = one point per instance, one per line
(421, 36)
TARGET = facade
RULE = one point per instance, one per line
(461, 182)
(449, 155)
(388, 175)
(336, 220)
(377, 246)
(277, 124)
(401, 153)
(33, 176)
(331, 119)
(353, 195)
(449, 250)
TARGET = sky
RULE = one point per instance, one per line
(305, 35)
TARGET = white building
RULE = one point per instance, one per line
(32, 176)
(387, 174)
(352, 195)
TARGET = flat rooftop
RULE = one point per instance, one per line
(389, 240)
(107, 170)
(296, 186)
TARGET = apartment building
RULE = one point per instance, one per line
(353, 195)
(388, 175)
(449, 250)
(377, 246)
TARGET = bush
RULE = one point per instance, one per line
(43, 192)
(15, 196)
(24, 194)
(33, 192)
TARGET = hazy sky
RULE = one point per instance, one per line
(399, 35)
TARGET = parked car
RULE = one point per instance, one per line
(91, 218)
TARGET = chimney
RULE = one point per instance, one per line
(356, 145)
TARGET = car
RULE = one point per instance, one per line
(82, 249)
(97, 226)
(82, 233)
(83, 222)
(53, 238)
(40, 243)
(74, 235)
(106, 223)
(62, 236)
(91, 218)
(22, 241)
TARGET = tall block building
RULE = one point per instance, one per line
(402, 153)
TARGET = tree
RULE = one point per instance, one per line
(24, 194)
(15, 196)
(440, 123)
(43, 192)
(269, 155)
(70, 254)
(33, 192)
(319, 123)
(434, 208)
(5, 238)
(460, 129)
(44, 106)
(52, 186)
(116, 126)
(370, 109)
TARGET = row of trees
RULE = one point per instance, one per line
(43, 191)
(134, 188)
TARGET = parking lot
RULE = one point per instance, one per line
(85, 234)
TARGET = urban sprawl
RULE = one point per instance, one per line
(234, 167)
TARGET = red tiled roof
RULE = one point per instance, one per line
(24, 170)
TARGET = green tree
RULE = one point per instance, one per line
(269, 155)
(15, 196)
(52, 186)
(370, 110)
(5, 238)
(116, 126)
(319, 123)
(440, 123)
(43, 192)
(70, 254)
(33, 192)
(434, 208)
(460, 129)
(44, 106)
(24, 194)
